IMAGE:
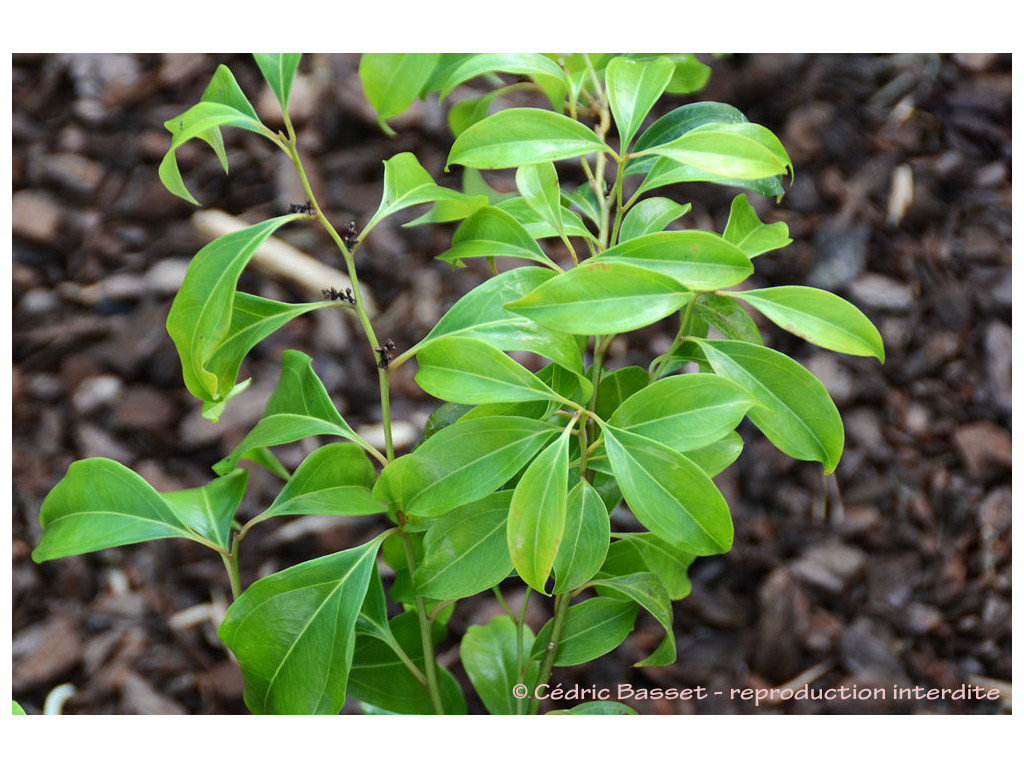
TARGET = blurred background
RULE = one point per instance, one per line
(896, 573)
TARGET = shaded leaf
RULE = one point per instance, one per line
(210, 509)
(489, 656)
(584, 538)
(648, 591)
(393, 81)
(592, 629)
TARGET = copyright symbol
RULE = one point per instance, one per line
(520, 691)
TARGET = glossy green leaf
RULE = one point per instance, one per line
(689, 76)
(668, 562)
(491, 232)
(743, 151)
(795, 413)
(633, 89)
(393, 81)
(746, 231)
(335, 479)
(300, 407)
(538, 227)
(592, 629)
(649, 216)
(727, 316)
(648, 591)
(464, 462)
(536, 515)
(525, 64)
(603, 297)
(407, 183)
(669, 494)
(99, 504)
(373, 615)
(489, 656)
(717, 456)
(519, 136)
(203, 121)
(818, 316)
(684, 412)
(465, 113)
(481, 314)
(462, 369)
(293, 633)
(210, 509)
(200, 320)
(584, 538)
(223, 89)
(380, 679)
(584, 199)
(702, 261)
(618, 385)
(596, 708)
(279, 71)
(466, 551)
(538, 184)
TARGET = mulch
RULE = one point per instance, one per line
(891, 577)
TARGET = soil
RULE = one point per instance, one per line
(890, 575)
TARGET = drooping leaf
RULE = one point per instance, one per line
(795, 413)
(522, 135)
(745, 230)
(463, 369)
(584, 538)
(648, 591)
(524, 64)
(300, 407)
(633, 89)
(279, 71)
(685, 412)
(536, 515)
(669, 494)
(701, 261)
(210, 509)
(818, 316)
(742, 151)
(99, 504)
(293, 632)
(592, 629)
(603, 297)
(489, 656)
(462, 463)
(635, 552)
(393, 81)
(491, 232)
(649, 216)
(466, 551)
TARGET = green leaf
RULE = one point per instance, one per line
(818, 316)
(649, 216)
(300, 407)
(491, 232)
(633, 89)
(210, 509)
(685, 412)
(201, 318)
(603, 297)
(538, 227)
(538, 184)
(717, 456)
(407, 183)
(702, 261)
(223, 89)
(380, 679)
(690, 74)
(204, 121)
(745, 230)
(742, 151)
(596, 708)
(525, 64)
(648, 591)
(646, 552)
(468, 370)
(669, 494)
(618, 385)
(335, 479)
(464, 462)
(293, 633)
(584, 538)
(489, 656)
(279, 71)
(536, 516)
(393, 81)
(795, 413)
(465, 113)
(519, 136)
(17, 709)
(99, 504)
(592, 629)
(727, 316)
(465, 552)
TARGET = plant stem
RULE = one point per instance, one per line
(520, 658)
(231, 565)
(426, 628)
(561, 611)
